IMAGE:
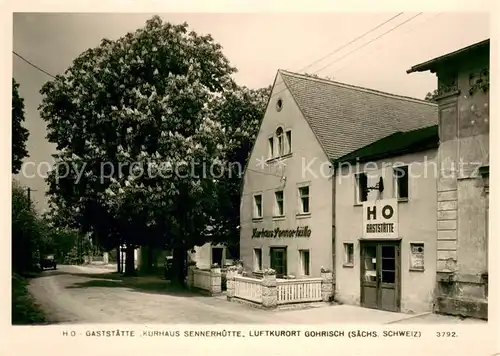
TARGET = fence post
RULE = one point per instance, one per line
(269, 289)
(215, 280)
(326, 284)
(190, 276)
(231, 273)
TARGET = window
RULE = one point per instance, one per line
(304, 200)
(279, 208)
(348, 254)
(271, 147)
(217, 255)
(278, 260)
(288, 142)
(281, 141)
(361, 187)
(401, 178)
(257, 259)
(304, 262)
(416, 256)
(257, 206)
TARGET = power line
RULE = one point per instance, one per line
(34, 65)
(351, 42)
(341, 47)
(366, 44)
(403, 34)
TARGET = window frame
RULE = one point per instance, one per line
(270, 147)
(357, 188)
(301, 262)
(345, 257)
(395, 182)
(288, 140)
(256, 261)
(280, 138)
(299, 196)
(254, 205)
(276, 213)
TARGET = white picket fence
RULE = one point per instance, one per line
(248, 289)
(288, 291)
(202, 279)
(299, 290)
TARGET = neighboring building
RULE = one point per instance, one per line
(288, 195)
(209, 254)
(386, 223)
(463, 186)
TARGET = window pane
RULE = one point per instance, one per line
(388, 252)
(388, 264)
(388, 277)
(305, 205)
(289, 141)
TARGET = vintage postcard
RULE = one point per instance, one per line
(292, 181)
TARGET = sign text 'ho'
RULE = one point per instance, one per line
(380, 218)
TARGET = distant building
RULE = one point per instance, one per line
(463, 185)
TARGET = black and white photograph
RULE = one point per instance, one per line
(250, 168)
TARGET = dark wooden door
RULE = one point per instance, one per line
(380, 275)
(278, 260)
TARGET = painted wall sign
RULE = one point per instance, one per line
(380, 218)
(301, 231)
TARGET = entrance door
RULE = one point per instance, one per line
(278, 260)
(380, 275)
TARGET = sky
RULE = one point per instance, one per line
(257, 44)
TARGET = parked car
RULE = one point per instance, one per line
(48, 261)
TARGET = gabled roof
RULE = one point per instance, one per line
(345, 117)
(394, 145)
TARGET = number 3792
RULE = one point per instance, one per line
(446, 334)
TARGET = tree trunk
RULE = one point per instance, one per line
(129, 261)
(179, 266)
(149, 267)
(118, 259)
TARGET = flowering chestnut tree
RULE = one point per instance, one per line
(19, 133)
(134, 130)
(240, 111)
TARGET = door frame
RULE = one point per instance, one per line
(378, 244)
(285, 255)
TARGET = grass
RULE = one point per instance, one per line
(25, 311)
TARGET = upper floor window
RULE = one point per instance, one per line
(304, 200)
(279, 207)
(288, 142)
(401, 182)
(281, 141)
(271, 147)
(361, 188)
(257, 206)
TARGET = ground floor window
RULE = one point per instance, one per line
(257, 259)
(304, 262)
(348, 254)
(278, 260)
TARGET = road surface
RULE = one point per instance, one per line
(74, 294)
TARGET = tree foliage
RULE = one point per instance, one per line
(240, 112)
(27, 234)
(19, 133)
(134, 116)
(431, 96)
